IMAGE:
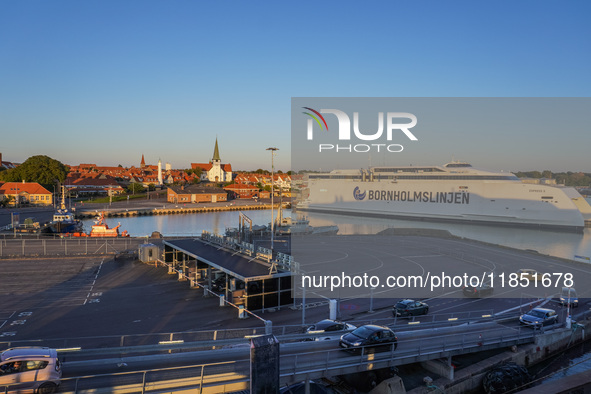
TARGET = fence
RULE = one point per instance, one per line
(34, 247)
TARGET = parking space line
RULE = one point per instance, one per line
(98, 271)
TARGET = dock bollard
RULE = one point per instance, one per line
(241, 312)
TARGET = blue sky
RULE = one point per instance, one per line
(107, 81)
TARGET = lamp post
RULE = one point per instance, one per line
(272, 192)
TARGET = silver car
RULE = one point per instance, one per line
(30, 370)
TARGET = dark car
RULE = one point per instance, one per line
(538, 317)
(410, 308)
(478, 291)
(369, 336)
(331, 329)
(569, 296)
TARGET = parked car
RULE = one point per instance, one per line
(478, 291)
(538, 317)
(410, 308)
(30, 369)
(569, 296)
(369, 336)
(530, 274)
(331, 329)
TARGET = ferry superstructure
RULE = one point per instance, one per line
(452, 192)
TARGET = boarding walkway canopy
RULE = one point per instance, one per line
(258, 283)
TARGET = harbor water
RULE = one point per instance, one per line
(567, 245)
(185, 225)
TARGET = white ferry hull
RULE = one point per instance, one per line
(485, 202)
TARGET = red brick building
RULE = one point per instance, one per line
(239, 190)
(195, 193)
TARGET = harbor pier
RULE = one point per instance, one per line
(191, 208)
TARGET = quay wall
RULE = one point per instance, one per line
(83, 214)
(470, 379)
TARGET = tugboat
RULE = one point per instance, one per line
(63, 221)
(101, 229)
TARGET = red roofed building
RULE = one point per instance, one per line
(214, 171)
(239, 190)
(25, 193)
(93, 184)
(194, 194)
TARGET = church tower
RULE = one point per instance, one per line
(216, 154)
(143, 163)
(216, 164)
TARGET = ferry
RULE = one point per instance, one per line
(453, 192)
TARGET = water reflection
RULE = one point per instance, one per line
(554, 243)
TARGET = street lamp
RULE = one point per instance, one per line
(272, 192)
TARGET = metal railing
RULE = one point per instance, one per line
(300, 365)
(295, 331)
(34, 247)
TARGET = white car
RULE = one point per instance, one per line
(30, 370)
(530, 274)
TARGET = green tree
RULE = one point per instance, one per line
(41, 169)
(135, 188)
(6, 201)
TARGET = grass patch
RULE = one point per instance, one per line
(102, 200)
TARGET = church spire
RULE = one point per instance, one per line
(143, 163)
(216, 152)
